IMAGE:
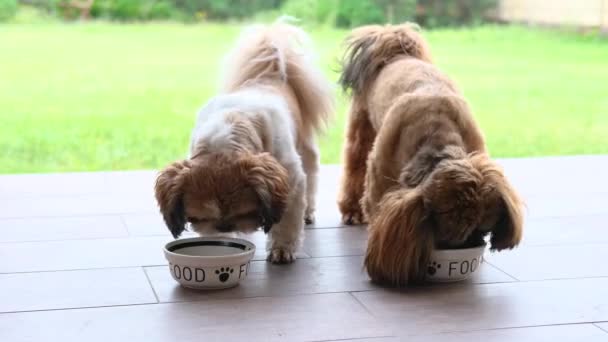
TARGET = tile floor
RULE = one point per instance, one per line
(81, 260)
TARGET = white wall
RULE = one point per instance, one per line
(586, 13)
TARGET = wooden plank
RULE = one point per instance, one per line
(76, 184)
(98, 253)
(81, 254)
(61, 228)
(335, 241)
(306, 276)
(74, 289)
(489, 306)
(553, 333)
(566, 230)
(553, 262)
(83, 205)
(296, 318)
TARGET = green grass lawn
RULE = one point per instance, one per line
(107, 96)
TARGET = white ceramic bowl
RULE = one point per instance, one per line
(209, 263)
(448, 265)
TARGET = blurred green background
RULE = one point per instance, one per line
(116, 85)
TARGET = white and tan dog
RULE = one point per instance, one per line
(253, 158)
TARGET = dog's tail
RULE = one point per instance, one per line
(369, 48)
(282, 52)
(399, 242)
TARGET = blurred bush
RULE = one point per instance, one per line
(126, 9)
(161, 10)
(341, 13)
(435, 13)
(8, 9)
(351, 13)
(122, 10)
(360, 12)
(312, 11)
(224, 9)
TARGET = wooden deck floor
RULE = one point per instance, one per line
(81, 260)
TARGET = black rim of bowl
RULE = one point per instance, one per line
(462, 249)
(174, 246)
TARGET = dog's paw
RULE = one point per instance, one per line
(353, 218)
(309, 216)
(351, 212)
(281, 256)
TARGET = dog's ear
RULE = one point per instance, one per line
(400, 239)
(504, 208)
(169, 191)
(424, 162)
(269, 180)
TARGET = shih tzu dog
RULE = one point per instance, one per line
(416, 165)
(253, 157)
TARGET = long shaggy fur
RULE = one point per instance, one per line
(401, 217)
(282, 52)
(370, 48)
(253, 159)
(428, 181)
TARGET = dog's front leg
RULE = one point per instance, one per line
(285, 237)
(359, 141)
(310, 162)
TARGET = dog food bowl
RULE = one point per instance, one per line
(449, 265)
(209, 263)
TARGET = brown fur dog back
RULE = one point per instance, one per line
(416, 165)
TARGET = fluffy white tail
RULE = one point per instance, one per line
(282, 52)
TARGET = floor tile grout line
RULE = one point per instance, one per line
(72, 195)
(201, 300)
(70, 239)
(352, 339)
(161, 265)
(78, 308)
(125, 225)
(352, 295)
(151, 212)
(295, 295)
(592, 323)
(143, 269)
(129, 236)
(514, 327)
(524, 281)
(2, 218)
(596, 324)
(292, 295)
(204, 298)
(77, 215)
(501, 270)
(588, 215)
(565, 193)
(82, 269)
(546, 217)
(525, 245)
(352, 292)
(22, 195)
(516, 280)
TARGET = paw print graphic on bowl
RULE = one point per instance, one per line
(224, 273)
(433, 267)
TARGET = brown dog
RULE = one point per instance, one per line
(416, 165)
